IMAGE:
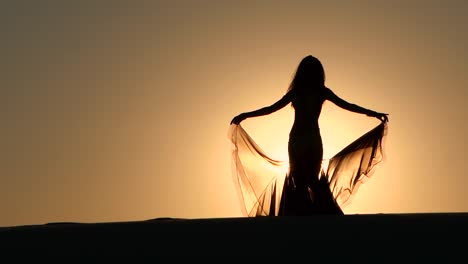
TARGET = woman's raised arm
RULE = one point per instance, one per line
(285, 100)
(332, 97)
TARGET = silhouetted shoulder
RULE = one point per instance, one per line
(287, 98)
(289, 95)
(328, 93)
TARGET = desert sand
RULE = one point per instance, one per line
(422, 235)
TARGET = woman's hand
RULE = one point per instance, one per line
(382, 117)
(237, 119)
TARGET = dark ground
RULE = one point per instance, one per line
(348, 237)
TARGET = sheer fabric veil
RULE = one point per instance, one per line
(259, 179)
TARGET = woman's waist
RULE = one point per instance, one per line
(305, 128)
(301, 134)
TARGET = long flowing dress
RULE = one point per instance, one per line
(307, 184)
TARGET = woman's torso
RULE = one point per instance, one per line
(304, 138)
(307, 109)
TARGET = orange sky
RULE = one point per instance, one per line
(120, 111)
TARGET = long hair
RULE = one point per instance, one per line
(309, 74)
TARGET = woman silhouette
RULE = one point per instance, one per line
(304, 191)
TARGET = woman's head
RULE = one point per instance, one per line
(309, 73)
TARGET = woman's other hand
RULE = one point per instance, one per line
(382, 117)
(237, 119)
